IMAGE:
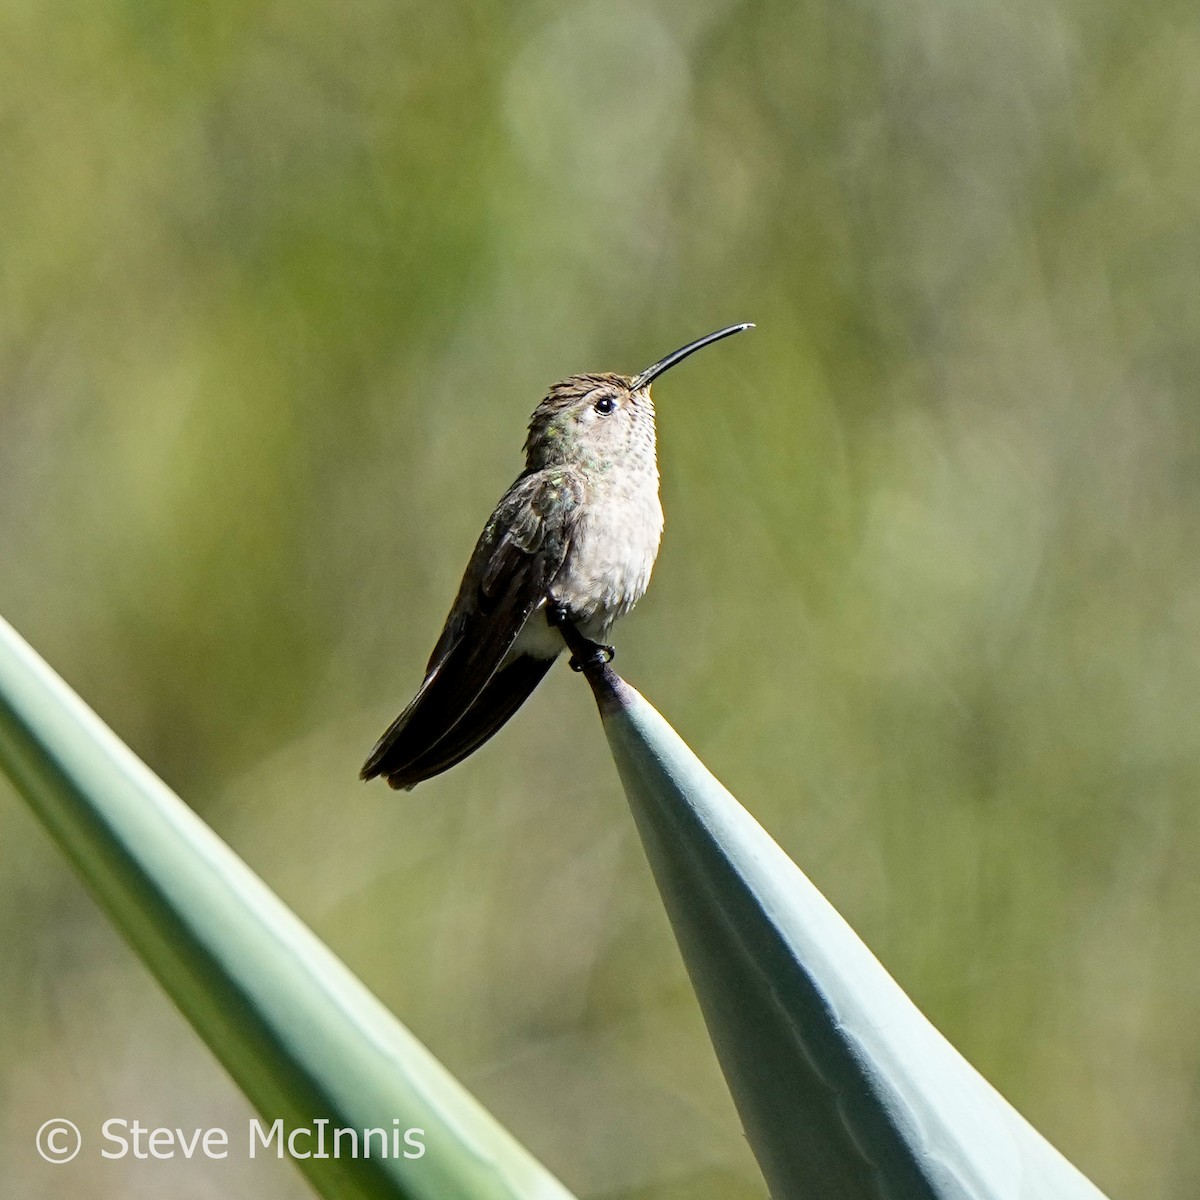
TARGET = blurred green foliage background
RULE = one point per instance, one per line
(279, 287)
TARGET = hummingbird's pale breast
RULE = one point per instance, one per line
(613, 548)
(606, 570)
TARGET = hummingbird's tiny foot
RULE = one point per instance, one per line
(599, 656)
(585, 653)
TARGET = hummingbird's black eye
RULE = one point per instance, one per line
(605, 405)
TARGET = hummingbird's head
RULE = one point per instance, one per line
(596, 421)
(591, 420)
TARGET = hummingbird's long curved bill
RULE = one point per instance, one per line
(665, 364)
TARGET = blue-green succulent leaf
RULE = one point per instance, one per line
(304, 1039)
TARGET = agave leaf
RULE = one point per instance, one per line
(846, 1091)
(303, 1038)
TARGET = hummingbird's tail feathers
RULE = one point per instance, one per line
(508, 689)
(448, 692)
(454, 683)
(385, 748)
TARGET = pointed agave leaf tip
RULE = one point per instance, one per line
(677, 356)
(844, 1088)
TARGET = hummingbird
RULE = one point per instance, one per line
(567, 551)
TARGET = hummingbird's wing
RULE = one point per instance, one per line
(519, 553)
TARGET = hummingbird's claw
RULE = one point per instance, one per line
(599, 656)
(584, 652)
